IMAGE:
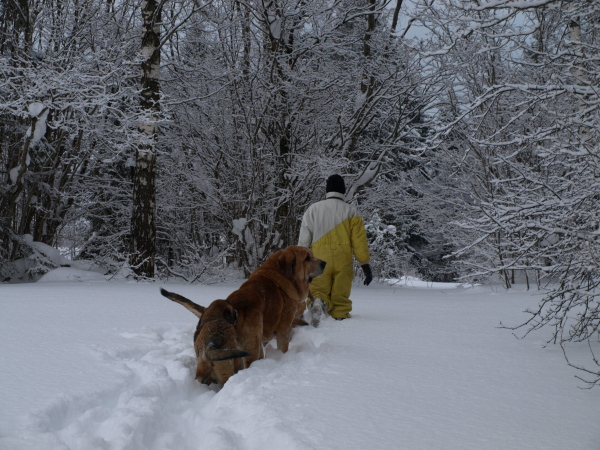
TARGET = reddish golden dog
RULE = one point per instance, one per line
(270, 302)
(214, 340)
(266, 306)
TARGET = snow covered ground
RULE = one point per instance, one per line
(90, 364)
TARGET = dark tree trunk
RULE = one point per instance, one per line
(143, 221)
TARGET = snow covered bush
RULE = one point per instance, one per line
(35, 259)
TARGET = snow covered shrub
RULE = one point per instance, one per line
(34, 260)
(388, 255)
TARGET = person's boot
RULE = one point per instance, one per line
(316, 311)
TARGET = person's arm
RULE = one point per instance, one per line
(360, 247)
(305, 237)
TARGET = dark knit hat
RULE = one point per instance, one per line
(335, 183)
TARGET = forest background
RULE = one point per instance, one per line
(182, 138)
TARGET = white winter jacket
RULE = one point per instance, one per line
(334, 224)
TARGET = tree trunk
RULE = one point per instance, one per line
(143, 221)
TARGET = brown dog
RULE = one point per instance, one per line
(214, 340)
(269, 302)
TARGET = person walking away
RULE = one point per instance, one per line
(335, 233)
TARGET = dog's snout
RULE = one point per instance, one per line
(322, 265)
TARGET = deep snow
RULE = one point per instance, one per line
(91, 364)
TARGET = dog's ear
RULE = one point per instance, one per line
(287, 263)
(230, 315)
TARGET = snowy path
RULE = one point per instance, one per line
(110, 366)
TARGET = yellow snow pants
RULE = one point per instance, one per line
(335, 284)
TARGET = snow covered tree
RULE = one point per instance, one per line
(61, 67)
(260, 102)
(143, 220)
(268, 99)
(522, 121)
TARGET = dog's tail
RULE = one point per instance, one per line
(221, 354)
(197, 310)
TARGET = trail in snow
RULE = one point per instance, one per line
(111, 366)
